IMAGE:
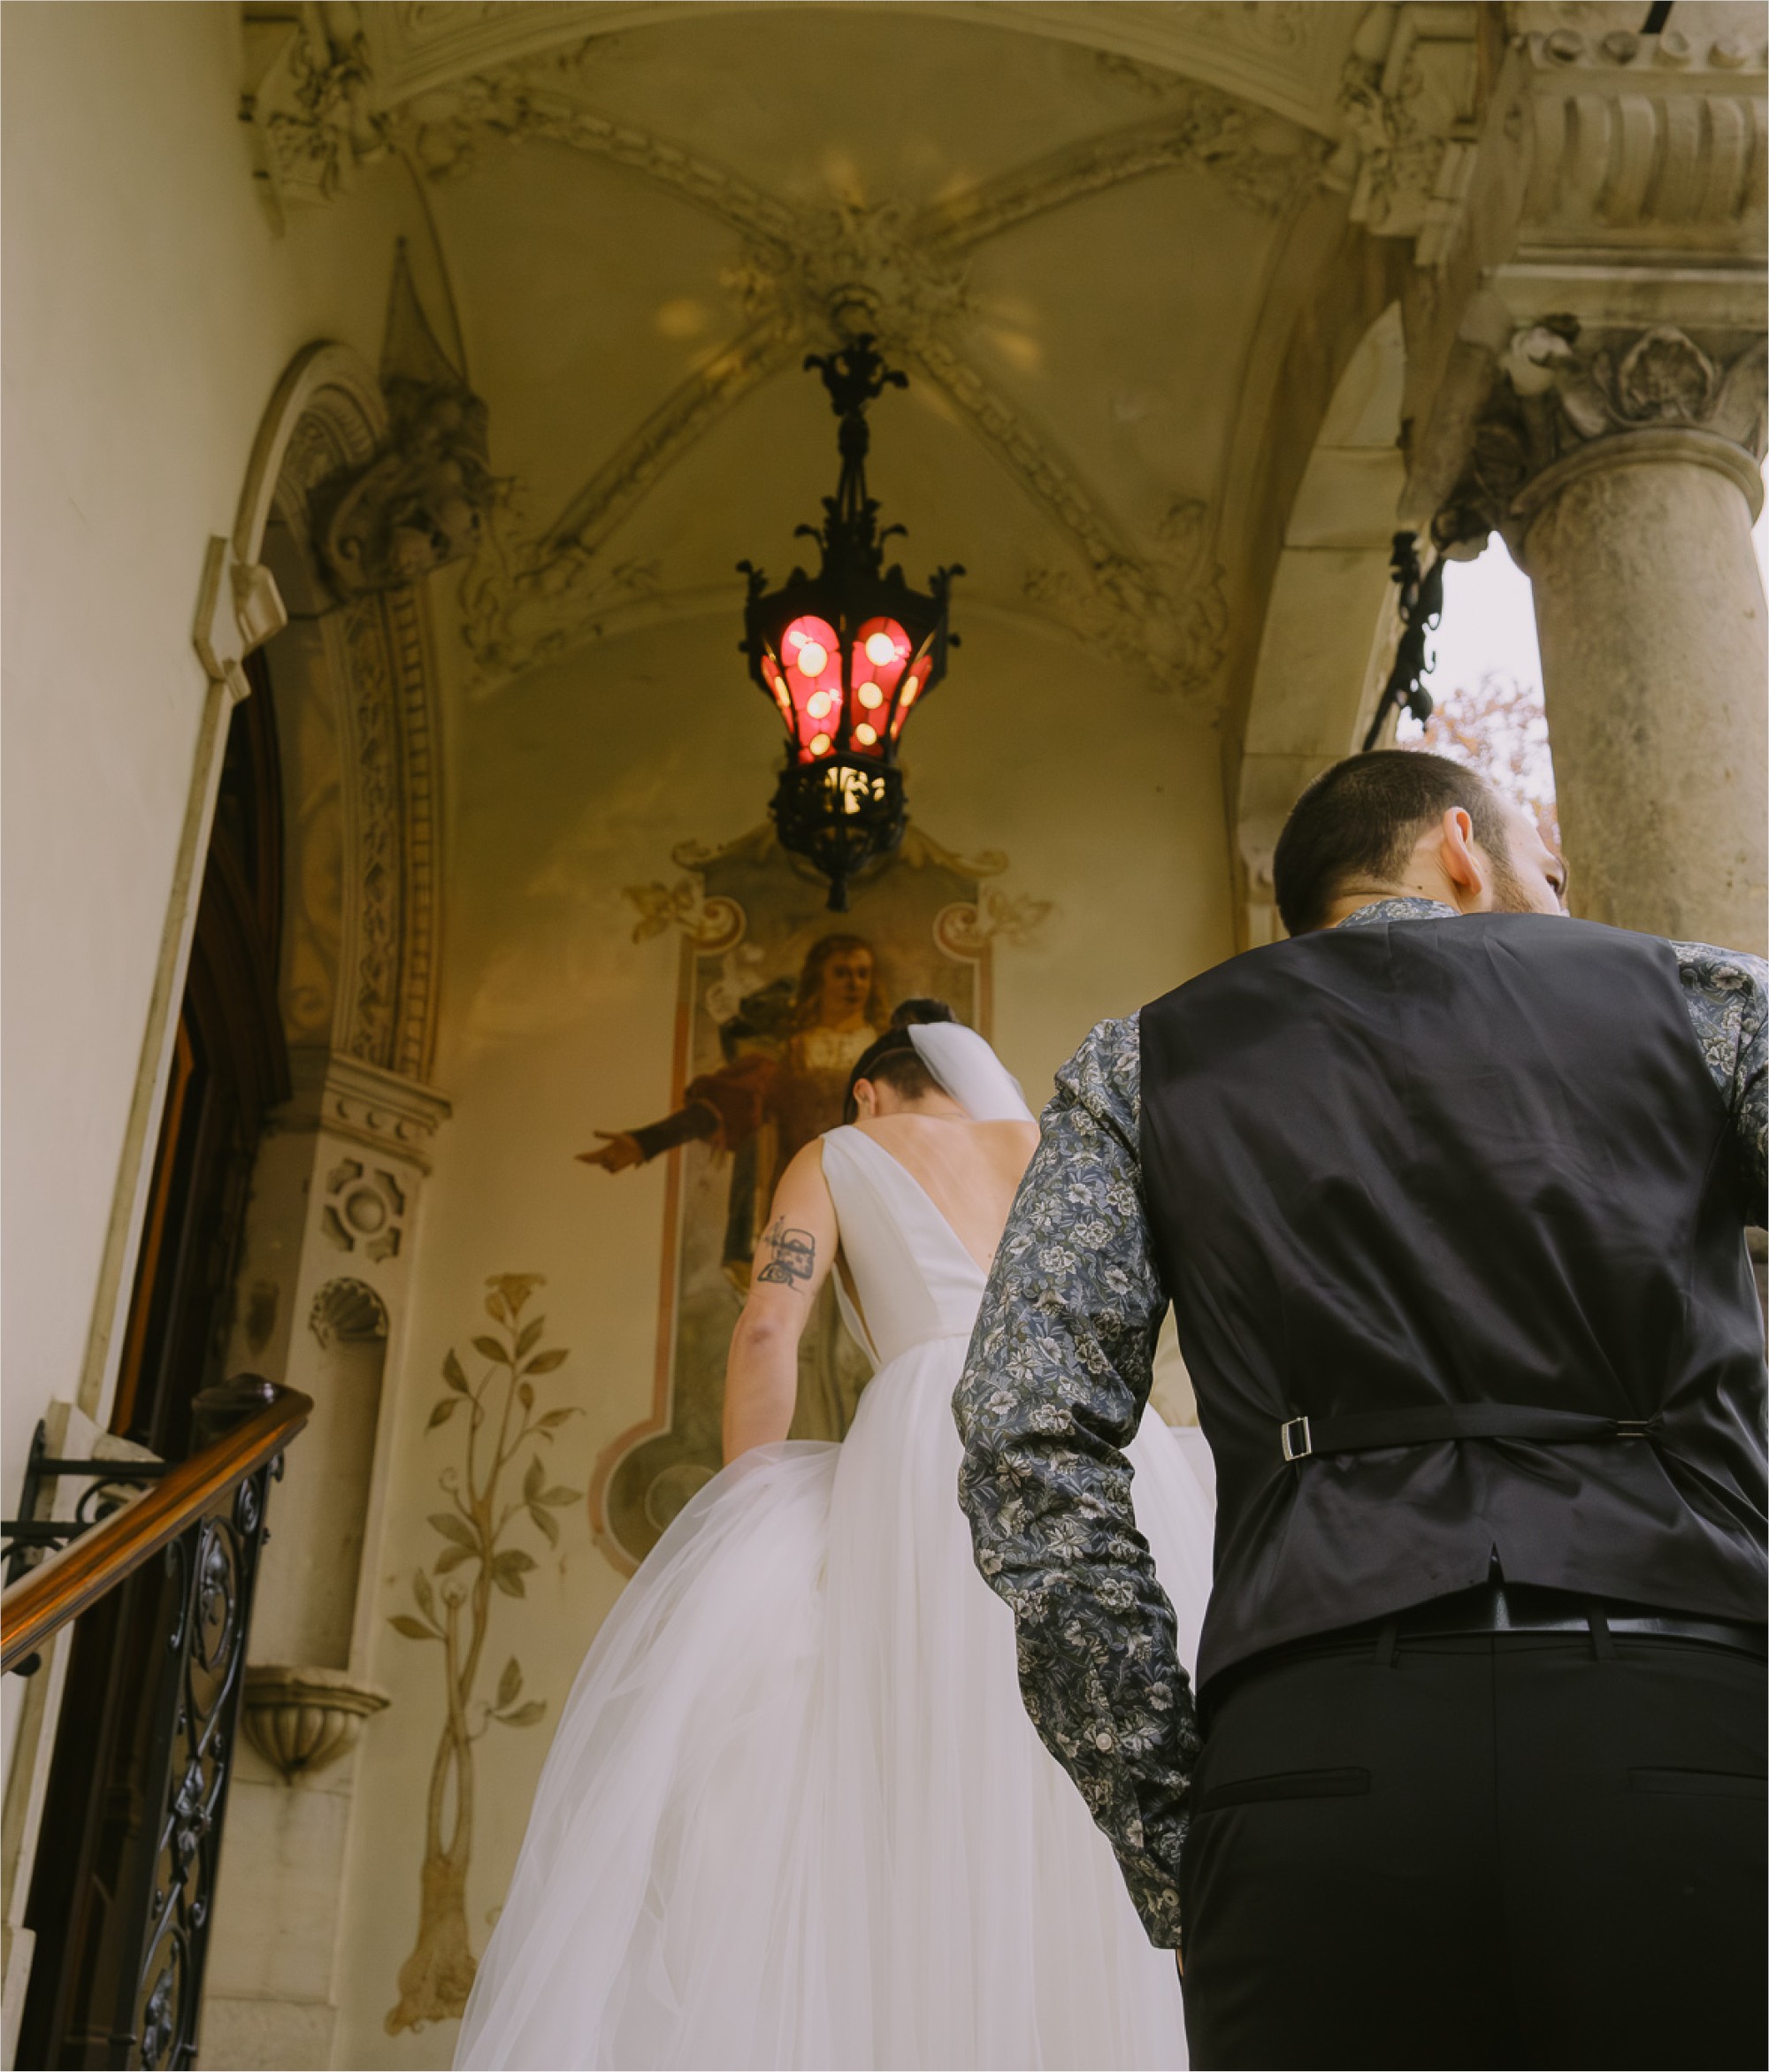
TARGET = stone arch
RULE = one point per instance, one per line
(1329, 629)
(352, 680)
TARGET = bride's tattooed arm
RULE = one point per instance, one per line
(790, 1256)
(792, 1262)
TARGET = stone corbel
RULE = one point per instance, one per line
(1408, 96)
(301, 1719)
(238, 608)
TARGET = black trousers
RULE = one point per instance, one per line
(1488, 1850)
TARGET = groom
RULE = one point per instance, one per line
(1448, 1194)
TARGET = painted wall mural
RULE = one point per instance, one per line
(493, 1498)
(774, 1007)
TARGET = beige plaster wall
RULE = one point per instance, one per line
(149, 309)
(568, 787)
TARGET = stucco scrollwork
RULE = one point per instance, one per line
(1164, 613)
(1560, 388)
(311, 109)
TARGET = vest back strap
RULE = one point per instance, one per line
(1430, 1423)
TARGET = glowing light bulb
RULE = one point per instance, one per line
(818, 705)
(870, 696)
(865, 735)
(813, 659)
(795, 639)
(819, 744)
(880, 649)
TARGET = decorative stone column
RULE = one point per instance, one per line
(1587, 206)
(1623, 471)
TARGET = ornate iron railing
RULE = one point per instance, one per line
(203, 1519)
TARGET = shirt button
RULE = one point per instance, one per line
(1102, 1740)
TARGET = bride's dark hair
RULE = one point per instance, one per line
(893, 1060)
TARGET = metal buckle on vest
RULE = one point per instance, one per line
(1297, 1444)
(1637, 1427)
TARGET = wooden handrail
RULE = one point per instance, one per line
(71, 1581)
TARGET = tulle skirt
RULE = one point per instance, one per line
(795, 1813)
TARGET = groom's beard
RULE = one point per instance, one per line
(1509, 897)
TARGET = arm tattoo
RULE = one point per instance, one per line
(794, 1257)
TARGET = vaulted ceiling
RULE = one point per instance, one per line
(1062, 221)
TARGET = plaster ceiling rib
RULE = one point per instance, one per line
(684, 417)
(1206, 132)
(1280, 55)
(512, 106)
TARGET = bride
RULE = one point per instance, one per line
(795, 1813)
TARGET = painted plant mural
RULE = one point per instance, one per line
(498, 1493)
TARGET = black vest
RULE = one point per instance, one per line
(1469, 1160)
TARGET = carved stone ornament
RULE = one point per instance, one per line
(379, 1111)
(1410, 117)
(1634, 136)
(301, 1719)
(421, 501)
(1560, 388)
(311, 106)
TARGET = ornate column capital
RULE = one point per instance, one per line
(1565, 399)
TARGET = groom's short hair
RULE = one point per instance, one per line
(1358, 822)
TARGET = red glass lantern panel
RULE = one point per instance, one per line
(881, 653)
(806, 681)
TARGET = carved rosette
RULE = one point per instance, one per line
(1565, 397)
(301, 1719)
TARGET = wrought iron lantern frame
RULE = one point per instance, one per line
(840, 801)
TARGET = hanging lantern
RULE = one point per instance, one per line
(846, 656)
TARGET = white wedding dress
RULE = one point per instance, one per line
(795, 1813)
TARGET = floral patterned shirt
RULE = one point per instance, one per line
(1059, 1371)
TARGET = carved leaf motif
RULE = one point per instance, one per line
(531, 1333)
(1665, 374)
(452, 1557)
(509, 1684)
(492, 1350)
(532, 1482)
(525, 1716)
(413, 1629)
(443, 1412)
(453, 1375)
(457, 1529)
(547, 1523)
(508, 1569)
(544, 1363)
